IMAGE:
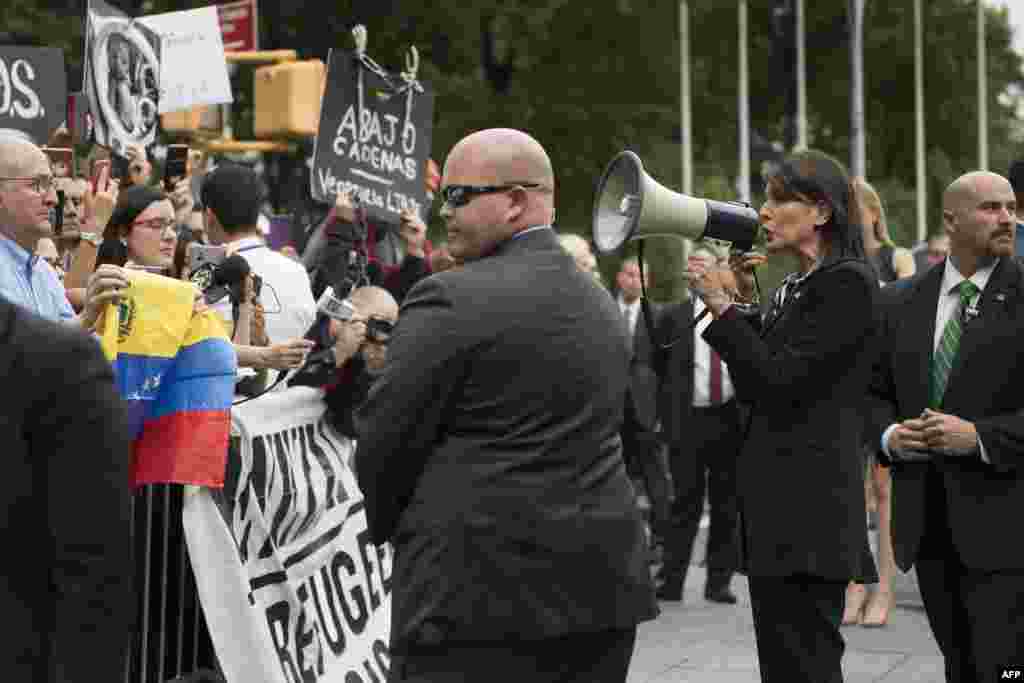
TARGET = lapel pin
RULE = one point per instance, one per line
(1000, 297)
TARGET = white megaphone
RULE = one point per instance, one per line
(631, 205)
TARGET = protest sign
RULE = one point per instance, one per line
(32, 90)
(193, 71)
(292, 588)
(374, 138)
(122, 78)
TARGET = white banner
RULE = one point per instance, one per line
(292, 587)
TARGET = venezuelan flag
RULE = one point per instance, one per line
(176, 370)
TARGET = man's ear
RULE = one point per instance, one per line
(949, 220)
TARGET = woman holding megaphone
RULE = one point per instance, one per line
(804, 369)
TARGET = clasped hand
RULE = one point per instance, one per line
(718, 287)
(935, 431)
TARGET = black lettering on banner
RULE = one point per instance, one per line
(384, 561)
(356, 622)
(368, 667)
(382, 656)
(353, 677)
(33, 90)
(283, 514)
(327, 463)
(304, 638)
(331, 628)
(314, 509)
(377, 146)
(363, 539)
(278, 616)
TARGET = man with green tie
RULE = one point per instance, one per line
(950, 413)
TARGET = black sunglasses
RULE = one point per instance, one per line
(378, 330)
(460, 195)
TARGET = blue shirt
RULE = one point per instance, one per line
(30, 282)
(1020, 240)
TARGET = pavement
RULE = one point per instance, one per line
(706, 642)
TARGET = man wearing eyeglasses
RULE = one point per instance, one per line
(489, 450)
(27, 194)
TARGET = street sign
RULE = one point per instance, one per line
(239, 24)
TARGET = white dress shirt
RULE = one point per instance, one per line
(949, 302)
(287, 297)
(702, 364)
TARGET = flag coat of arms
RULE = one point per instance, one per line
(176, 370)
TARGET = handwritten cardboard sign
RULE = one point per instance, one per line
(379, 149)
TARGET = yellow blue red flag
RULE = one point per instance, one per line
(176, 369)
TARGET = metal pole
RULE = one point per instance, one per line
(744, 107)
(922, 189)
(857, 152)
(801, 77)
(982, 91)
(686, 104)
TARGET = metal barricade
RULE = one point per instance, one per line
(170, 641)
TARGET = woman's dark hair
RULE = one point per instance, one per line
(814, 175)
(130, 203)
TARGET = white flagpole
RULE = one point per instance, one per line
(922, 190)
(982, 91)
(801, 77)
(744, 107)
(686, 112)
(858, 163)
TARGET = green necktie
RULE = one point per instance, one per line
(945, 354)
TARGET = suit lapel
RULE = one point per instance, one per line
(999, 296)
(917, 322)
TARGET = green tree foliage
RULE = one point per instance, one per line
(589, 79)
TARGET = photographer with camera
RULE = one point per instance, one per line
(360, 347)
(231, 197)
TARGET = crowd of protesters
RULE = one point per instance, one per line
(686, 412)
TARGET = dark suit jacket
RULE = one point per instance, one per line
(67, 581)
(984, 388)
(674, 368)
(489, 455)
(642, 395)
(805, 376)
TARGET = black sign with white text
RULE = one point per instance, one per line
(379, 150)
(33, 90)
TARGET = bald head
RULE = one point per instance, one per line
(505, 155)
(966, 188)
(18, 156)
(375, 302)
(979, 214)
(506, 184)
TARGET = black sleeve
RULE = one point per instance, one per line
(81, 442)
(399, 422)
(830, 332)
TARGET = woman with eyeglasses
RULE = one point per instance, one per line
(142, 233)
(804, 372)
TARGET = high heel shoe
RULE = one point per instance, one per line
(853, 612)
(876, 613)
